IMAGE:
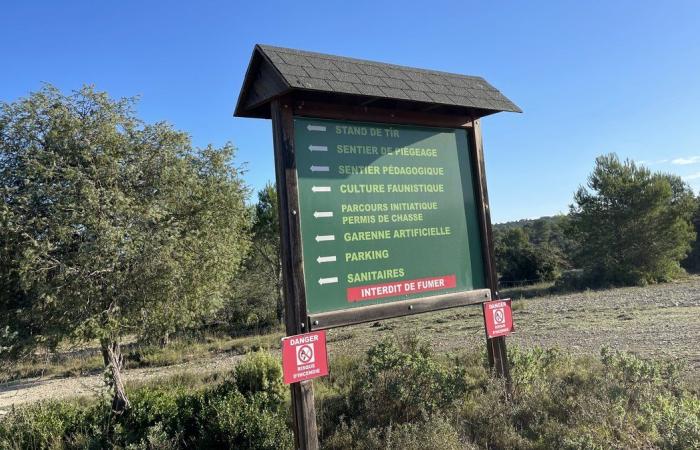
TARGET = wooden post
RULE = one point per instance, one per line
(296, 321)
(495, 347)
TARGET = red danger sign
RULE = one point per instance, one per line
(498, 316)
(304, 357)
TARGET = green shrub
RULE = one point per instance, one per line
(400, 385)
(235, 421)
(677, 422)
(433, 433)
(170, 415)
(398, 397)
(656, 398)
(260, 372)
(556, 401)
(172, 409)
(49, 425)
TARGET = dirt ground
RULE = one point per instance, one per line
(660, 321)
(36, 389)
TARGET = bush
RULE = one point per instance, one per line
(261, 373)
(55, 425)
(163, 417)
(398, 397)
(235, 421)
(557, 402)
(400, 385)
(430, 433)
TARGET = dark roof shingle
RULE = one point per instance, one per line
(310, 71)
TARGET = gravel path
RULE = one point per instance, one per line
(660, 321)
(35, 389)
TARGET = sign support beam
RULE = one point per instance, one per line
(296, 320)
(495, 347)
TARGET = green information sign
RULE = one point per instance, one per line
(387, 213)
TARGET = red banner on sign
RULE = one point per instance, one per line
(498, 316)
(304, 357)
(408, 287)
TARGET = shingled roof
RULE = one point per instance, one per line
(275, 71)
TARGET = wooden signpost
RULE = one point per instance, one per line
(383, 204)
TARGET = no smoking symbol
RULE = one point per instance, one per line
(305, 354)
(498, 316)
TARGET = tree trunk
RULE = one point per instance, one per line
(113, 360)
(164, 341)
(280, 297)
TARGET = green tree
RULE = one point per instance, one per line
(549, 246)
(692, 261)
(549, 233)
(518, 260)
(255, 299)
(632, 225)
(266, 242)
(110, 226)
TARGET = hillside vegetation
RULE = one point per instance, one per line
(397, 396)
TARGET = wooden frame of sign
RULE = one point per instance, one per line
(297, 319)
(287, 85)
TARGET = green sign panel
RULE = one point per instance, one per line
(387, 213)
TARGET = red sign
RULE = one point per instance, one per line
(374, 291)
(304, 357)
(498, 316)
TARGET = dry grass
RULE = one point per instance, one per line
(88, 360)
(658, 321)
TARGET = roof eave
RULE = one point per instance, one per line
(242, 110)
(262, 109)
(238, 111)
(254, 102)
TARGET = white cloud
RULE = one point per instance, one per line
(692, 176)
(686, 161)
(652, 163)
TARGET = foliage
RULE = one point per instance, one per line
(397, 397)
(692, 262)
(109, 225)
(382, 394)
(136, 355)
(557, 401)
(255, 301)
(633, 226)
(261, 373)
(518, 260)
(550, 231)
(432, 433)
(266, 242)
(168, 416)
(53, 425)
(553, 232)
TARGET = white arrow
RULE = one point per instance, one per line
(327, 237)
(318, 148)
(325, 259)
(319, 214)
(320, 188)
(316, 128)
(320, 168)
(331, 280)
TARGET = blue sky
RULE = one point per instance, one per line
(592, 77)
